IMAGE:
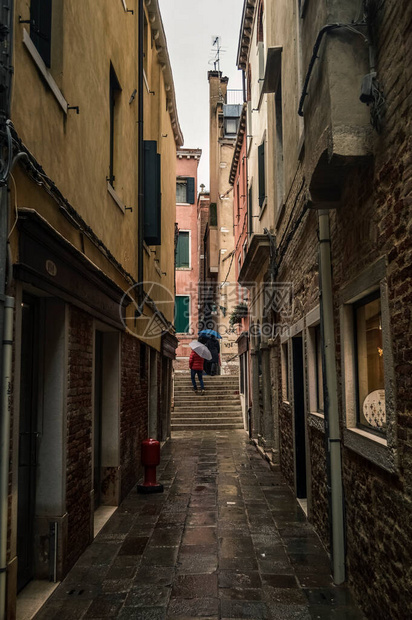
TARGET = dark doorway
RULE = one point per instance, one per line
(27, 441)
(97, 420)
(299, 417)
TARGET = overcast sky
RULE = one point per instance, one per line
(190, 26)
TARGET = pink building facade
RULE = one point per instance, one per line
(187, 251)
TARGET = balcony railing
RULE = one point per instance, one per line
(234, 97)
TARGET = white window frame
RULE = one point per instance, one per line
(285, 354)
(181, 230)
(312, 321)
(380, 450)
(182, 204)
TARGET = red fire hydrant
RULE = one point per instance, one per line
(150, 460)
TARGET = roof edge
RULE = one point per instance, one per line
(160, 41)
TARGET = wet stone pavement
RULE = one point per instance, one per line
(226, 539)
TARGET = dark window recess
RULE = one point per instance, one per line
(182, 253)
(40, 28)
(213, 214)
(261, 165)
(250, 211)
(152, 193)
(115, 91)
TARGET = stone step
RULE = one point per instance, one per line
(209, 394)
(205, 418)
(187, 380)
(212, 390)
(208, 411)
(207, 427)
(204, 413)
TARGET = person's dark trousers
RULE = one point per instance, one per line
(199, 373)
(213, 370)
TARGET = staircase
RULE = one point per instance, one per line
(218, 409)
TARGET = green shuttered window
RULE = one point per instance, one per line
(185, 190)
(152, 193)
(182, 313)
(182, 252)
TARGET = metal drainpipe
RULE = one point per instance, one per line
(7, 308)
(5, 445)
(140, 178)
(331, 400)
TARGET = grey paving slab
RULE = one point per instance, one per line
(226, 539)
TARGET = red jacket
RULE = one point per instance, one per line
(195, 361)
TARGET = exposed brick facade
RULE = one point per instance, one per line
(373, 221)
(79, 432)
(133, 410)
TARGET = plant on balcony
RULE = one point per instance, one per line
(239, 312)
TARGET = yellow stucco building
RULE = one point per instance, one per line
(94, 130)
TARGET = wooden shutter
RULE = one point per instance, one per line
(191, 190)
(40, 28)
(182, 255)
(261, 164)
(250, 211)
(152, 193)
(182, 314)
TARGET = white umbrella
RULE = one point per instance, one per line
(200, 349)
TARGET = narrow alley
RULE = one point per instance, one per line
(226, 539)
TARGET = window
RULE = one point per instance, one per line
(318, 368)
(314, 362)
(182, 313)
(279, 145)
(115, 91)
(368, 370)
(41, 27)
(183, 250)
(261, 170)
(259, 31)
(370, 385)
(152, 194)
(250, 210)
(185, 190)
(230, 127)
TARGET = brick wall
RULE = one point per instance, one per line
(319, 512)
(79, 432)
(286, 442)
(133, 411)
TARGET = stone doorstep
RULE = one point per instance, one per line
(206, 427)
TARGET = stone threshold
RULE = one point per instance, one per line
(33, 597)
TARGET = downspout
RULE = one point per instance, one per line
(5, 443)
(140, 173)
(332, 429)
(7, 302)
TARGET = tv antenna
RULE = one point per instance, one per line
(217, 49)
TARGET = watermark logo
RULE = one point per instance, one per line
(151, 308)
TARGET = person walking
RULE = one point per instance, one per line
(214, 348)
(196, 368)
